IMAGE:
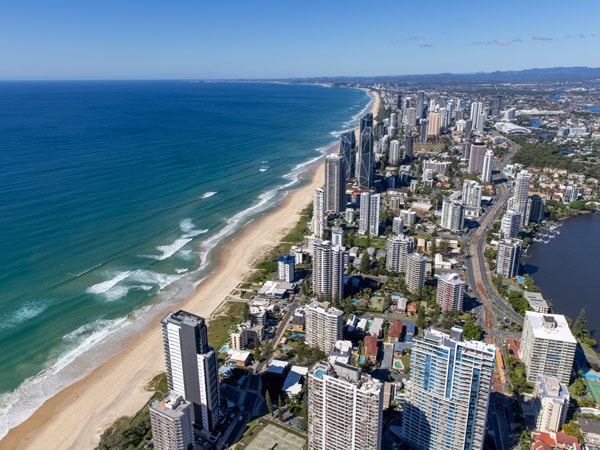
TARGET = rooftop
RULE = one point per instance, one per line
(550, 326)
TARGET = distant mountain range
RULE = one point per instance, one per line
(550, 75)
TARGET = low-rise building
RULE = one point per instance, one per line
(551, 400)
(395, 331)
(536, 301)
(371, 349)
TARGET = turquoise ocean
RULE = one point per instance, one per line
(113, 197)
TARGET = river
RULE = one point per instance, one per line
(566, 268)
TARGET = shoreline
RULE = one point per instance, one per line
(77, 415)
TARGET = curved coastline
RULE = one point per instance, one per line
(75, 416)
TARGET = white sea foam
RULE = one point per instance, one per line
(105, 286)
(147, 277)
(169, 250)
(181, 270)
(208, 194)
(27, 311)
(18, 405)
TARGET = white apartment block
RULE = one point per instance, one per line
(171, 422)
(551, 399)
(547, 346)
(323, 325)
(344, 408)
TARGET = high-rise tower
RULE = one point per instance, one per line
(328, 270)
(192, 367)
(335, 184)
(447, 395)
(364, 159)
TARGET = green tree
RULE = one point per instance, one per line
(421, 321)
(364, 262)
(279, 408)
(579, 324)
(579, 388)
(268, 402)
(472, 331)
(304, 413)
(572, 428)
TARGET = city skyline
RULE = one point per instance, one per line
(112, 40)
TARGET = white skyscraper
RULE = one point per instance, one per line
(192, 367)
(488, 167)
(365, 206)
(394, 152)
(171, 422)
(335, 184)
(519, 200)
(476, 110)
(447, 395)
(318, 220)
(337, 237)
(344, 408)
(328, 270)
(450, 292)
(453, 217)
(415, 272)
(286, 268)
(471, 198)
(323, 325)
(374, 214)
(508, 257)
(397, 225)
(511, 224)
(547, 346)
(397, 250)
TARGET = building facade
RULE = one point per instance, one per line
(171, 422)
(328, 270)
(551, 400)
(192, 367)
(453, 216)
(397, 250)
(547, 346)
(286, 268)
(448, 392)
(508, 257)
(416, 265)
(335, 184)
(323, 325)
(450, 292)
(344, 408)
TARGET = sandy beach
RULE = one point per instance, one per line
(76, 416)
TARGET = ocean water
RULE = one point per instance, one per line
(112, 196)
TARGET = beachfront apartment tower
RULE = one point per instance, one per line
(450, 292)
(323, 325)
(318, 219)
(192, 367)
(447, 395)
(453, 216)
(508, 257)
(335, 184)
(286, 268)
(171, 422)
(551, 402)
(397, 250)
(415, 272)
(547, 346)
(476, 158)
(328, 271)
(364, 159)
(344, 408)
(346, 152)
(366, 121)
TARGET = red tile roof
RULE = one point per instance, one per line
(371, 345)
(395, 330)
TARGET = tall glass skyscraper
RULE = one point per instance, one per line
(448, 393)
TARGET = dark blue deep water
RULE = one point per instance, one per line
(112, 195)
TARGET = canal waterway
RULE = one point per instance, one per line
(567, 269)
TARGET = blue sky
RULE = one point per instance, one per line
(114, 39)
